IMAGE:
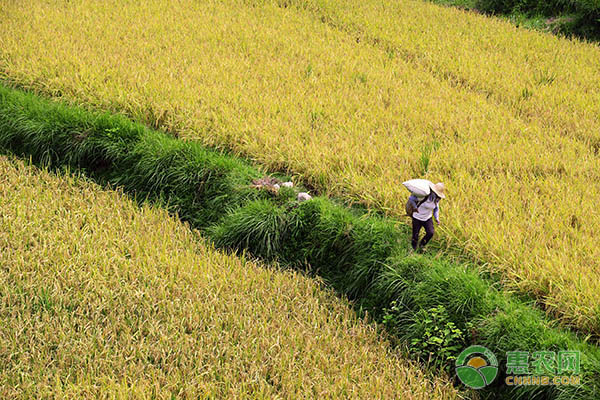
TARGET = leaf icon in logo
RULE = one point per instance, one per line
(489, 373)
(471, 377)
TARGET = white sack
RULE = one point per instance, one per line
(419, 187)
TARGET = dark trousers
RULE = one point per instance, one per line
(416, 229)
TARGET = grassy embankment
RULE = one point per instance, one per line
(102, 299)
(356, 97)
(365, 257)
(573, 17)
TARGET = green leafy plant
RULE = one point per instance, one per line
(439, 340)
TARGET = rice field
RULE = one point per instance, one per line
(544, 79)
(355, 98)
(103, 299)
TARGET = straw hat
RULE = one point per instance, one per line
(438, 189)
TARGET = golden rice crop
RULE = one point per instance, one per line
(348, 114)
(102, 299)
(542, 77)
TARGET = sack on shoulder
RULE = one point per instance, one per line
(418, 187)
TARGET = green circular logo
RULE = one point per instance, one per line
(476, 367)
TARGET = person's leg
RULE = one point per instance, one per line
(429, 231)
(416, 228)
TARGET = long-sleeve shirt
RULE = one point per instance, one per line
(427, 209)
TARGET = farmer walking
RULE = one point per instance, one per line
(424, 210)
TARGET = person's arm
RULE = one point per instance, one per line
(436, 213)
(413, 201)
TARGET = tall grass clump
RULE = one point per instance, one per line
(260, 227)
(363, 256)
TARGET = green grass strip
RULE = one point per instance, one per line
(436, 306)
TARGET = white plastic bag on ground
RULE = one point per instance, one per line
(303, 196)
(418, 187)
